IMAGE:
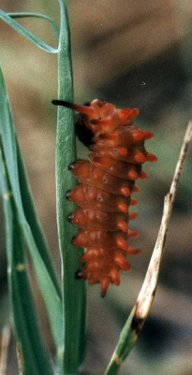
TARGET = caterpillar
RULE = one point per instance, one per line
(104, 194)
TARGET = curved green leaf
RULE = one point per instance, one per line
(36, 15)
(26, 34)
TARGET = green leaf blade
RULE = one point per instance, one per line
(32, 232)
(74, 295)
(35, 359)
(26, 34)
(36, 15)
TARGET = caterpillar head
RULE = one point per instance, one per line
(98, 117)
(87, 117)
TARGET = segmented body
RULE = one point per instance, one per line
(107, 181)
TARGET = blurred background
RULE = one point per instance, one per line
(131, 53)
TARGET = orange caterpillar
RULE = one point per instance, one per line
(107, 181)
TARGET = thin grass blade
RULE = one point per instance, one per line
(35, 359)
(30, 227)
(36, 15)
(33, 221)
(26, 33)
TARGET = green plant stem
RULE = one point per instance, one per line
(73, 290)
(126, 342)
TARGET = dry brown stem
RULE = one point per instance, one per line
(148, 289)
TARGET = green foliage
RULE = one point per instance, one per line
(9, 19)
(66, 304)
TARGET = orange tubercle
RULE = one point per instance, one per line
(151, 157)
(123, 226)
(136, 189)
(132, 233)
(123, 207)
(133, 216)
(125, 191)
(140, 157)
(122, 244)
(122, 151)
(143, 175)
(133, 202)
(133, 175)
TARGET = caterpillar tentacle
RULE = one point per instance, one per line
(106, 183)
